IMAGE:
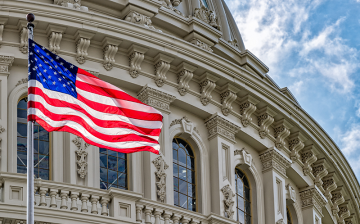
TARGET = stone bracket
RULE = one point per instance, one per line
(281, 131)
(319, 171)
(247, 108)
(82, 40)
(55, 34)
(329, 185)
(162, 66)
(308, 157)
(207, 85)
(136, 56)
(228, 96)
(110, 48)
(296, 144)
(81, 155)
(265, 119)
(185, 74)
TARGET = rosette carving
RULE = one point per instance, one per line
(162, 66)
(207, 85)
(281, 131)
(185, 74)
(228, 201)
(228, 96)
(136, 56)
(265, 119)
(81, 156)
(160, 174)
(247, 108)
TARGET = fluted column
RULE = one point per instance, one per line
(274, 169)
(221, 142)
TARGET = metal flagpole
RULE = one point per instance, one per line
(30, 144)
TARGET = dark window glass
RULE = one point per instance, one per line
(243, 205)
(41, 145)
(113, 169)
(289, 220)
(184, 175)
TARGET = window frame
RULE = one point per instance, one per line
(288, 214)
(250, 195)
(50, 142)
(195, 182)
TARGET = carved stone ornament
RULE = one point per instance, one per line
(162, 66)
(81, 156)
(245, 157)
(312, 197)
(5, 63)
(185, 74)
(160, 174)
(247, 108)
(281, 131)
(169, 4)
(228, 96)
(207, 16)
(265, 119)
(272, 159)
(319, 171)
(3, 21)
(290, 193)
(337, 199)
(2, 129)
(71, 4)
(55, 34)
(228, 201)
(234, 43)
(280, 221)
(136, 56)
(308, 157)
(207, 85)
(82, 44)
(329, 185)
(22, 81)
(296, 144)
(140, 19)
(24, 42)
(343, 214)
(201, 44)
(110, 48)
(219, 126)
(156, 98)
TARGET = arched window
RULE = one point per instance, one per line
(243, 197)
(113, 169)
(184, 175)
(41, 145)
(288, 214)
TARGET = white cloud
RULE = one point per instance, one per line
(297, 87)
(350, 142)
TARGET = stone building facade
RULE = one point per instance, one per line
(235, 147)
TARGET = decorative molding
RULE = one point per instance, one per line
(207, 16)
(290, 193)
(207, 85)
(265, 119)
(201, 44)
(296, 144)
(247, 108)
(5, 63)
(140, 19)
(21, 81)
(110, 48)
(219, 126)
(312, 197)
(281, 131)
(2, 129)
(329, 185)
(156, 98)
(3, 21)
(82, 44)
(280, 221)
(136, 56)
(71, 4)
(234, 43)
(246, 158)
(344, 213)
(170, 3)
(228, 201)
(308, 158)
(55, 34)
(81, 155)
(24, 42)
(228, 96)
(319, 170)
(185, 74)
(162, 66)
(337, 199)
(160, 174)
(272, 159)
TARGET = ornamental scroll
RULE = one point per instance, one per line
(160, 174)
(81, 156)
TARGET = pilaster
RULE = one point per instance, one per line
(312, 202)
(221, 150)
(274, 169)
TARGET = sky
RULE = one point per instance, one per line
(313, 48)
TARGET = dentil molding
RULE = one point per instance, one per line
(110, 48)
(281, 131)
(228, 201)
(160, 174)
(228, 96)
(81, 155)
(265, 119)
(136, 56)
(207, 85)
(272, 159)
(156, 98)
(247, 108)
(162, 66)
(185, 74)
(312, 197)
(219, 126)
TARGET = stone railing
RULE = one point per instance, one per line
(57, 202)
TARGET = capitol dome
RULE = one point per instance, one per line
(235, 147)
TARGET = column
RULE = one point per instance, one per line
(221, 142)
(274, 175)
(312, 202)
(160, 101)
(5, 64)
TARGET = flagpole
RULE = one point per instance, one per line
(30, 144)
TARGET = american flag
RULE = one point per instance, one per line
(63, 97)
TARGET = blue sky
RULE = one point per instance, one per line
(313, 48)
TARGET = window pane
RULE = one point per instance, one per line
(248, 219)
(43, 147)
(122, 179)
(112, 176)
(121, 155)
(22, 104)
(240, 216)
(44, 174)
(103, 150)
(240, 203)
(22, 114)
(103, 160)
(183, 187)
(247, 193)
(191, 205)
(240, 187)
(176, 170)
(190, 176)
(22, 129)
(112, 163)
(21, 169)
(183, 201)
(246, 183)
(175, 145)
(176, 198)
(182, 173)
(247, 207)
(103, 185)
(21, 158)
(103, 174)
(122, 165)
(175, 156)
(182, 157)
(176, 184)
(43, 162)
(43, 134)
(112, 153)
(22, 144)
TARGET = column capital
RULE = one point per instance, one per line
(219, 126)
(156, 98)
(6, 62)
(273, 159)
(312, 197)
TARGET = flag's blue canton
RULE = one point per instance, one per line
(51, 70)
